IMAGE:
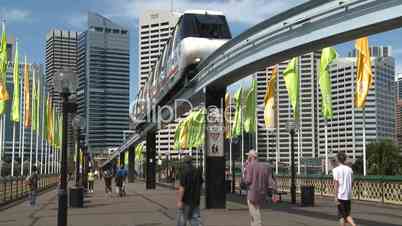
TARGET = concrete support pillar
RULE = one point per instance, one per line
(215, 159)
(131, 165)
(150, 161)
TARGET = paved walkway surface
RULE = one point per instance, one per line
(157, 208)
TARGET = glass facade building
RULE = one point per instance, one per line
(103, 93)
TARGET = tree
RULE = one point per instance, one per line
(358, 167)
(383, 158)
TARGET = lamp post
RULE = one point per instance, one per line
(291, 127)
(65, 83)
(79, 123)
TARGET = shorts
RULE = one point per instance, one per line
(344, 208)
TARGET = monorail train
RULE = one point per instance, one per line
(197, 34)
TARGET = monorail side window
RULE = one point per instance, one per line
(205, 26)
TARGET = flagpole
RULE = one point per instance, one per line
(22, 110)
(267, 144)
(30, 154)
(242, 134)
(13, 152)
(277, 125)
(326, 146)
(256, 116)
(230, 131)
(364, 143)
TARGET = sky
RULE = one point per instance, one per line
(30, 20)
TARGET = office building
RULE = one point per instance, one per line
(345, 130)
(398, 112)
(61, 52)
(267, 138)
(155, 29)
(103, 93)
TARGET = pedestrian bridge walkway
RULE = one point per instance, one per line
(157, 208)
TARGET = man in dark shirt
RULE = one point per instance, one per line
(188, 195)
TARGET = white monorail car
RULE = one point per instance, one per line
(197, 34)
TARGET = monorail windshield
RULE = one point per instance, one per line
(205, 26)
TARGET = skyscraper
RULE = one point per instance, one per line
(267, 138)
(103, 93)
(345, 130)
(398, 111)
(61, 52)
(156, 28)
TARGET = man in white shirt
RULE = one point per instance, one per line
(343, 189)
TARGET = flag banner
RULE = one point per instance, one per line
(138, 152)
(177, 135)
(364, 73)
(27, 97)
(15, 109)
(34, 97)
(250, 117)
(237, 124)
(270, 100)
(3, 72)
(327, 56)
(126, 158)
(291, 77)
(228, 121)
(184, 133)
(37, 102)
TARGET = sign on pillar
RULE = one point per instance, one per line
(215, 159)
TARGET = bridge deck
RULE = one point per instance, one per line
(157, 208)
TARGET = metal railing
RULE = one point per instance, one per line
(15, 188)
(383, 189)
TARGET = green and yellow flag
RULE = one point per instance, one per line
(177, 135)
(250, 117)
(15, 109)
(4, 97)
(327, 56)
(184, 133)
(237, 124)
(50, 130)
(199, 123)
(27, 97)
(138, 151)
(126, 158)
(291, 77)
(270, 100)
(364, 74)
(60, 131)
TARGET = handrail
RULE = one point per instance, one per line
(15, 188)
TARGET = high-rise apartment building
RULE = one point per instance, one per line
(61, 52)
(155, 29)
(267, 138)
(345, 130)
(398, 111)
(375, 51)
(103, 92)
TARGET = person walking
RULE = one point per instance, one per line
(259, 180)
(91, 181)
(107, 176)
(188, 195)
(119, 180)
(342, 175)
(32, 182)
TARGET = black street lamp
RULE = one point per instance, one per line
(66, 83)
(291, 127)
(79, 123)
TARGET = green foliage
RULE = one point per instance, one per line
(384, 158)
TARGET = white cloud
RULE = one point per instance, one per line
(237, 11)
(77, 21)
(15, 15)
